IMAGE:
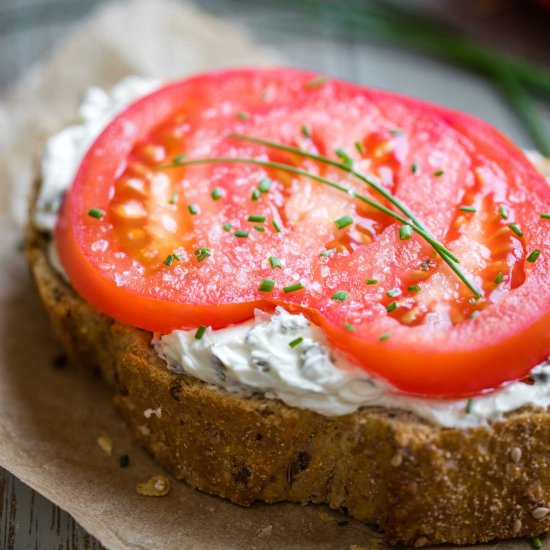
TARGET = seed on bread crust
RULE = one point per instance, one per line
(515, 454)
(540, 512)
(157, 486)
(105, 444)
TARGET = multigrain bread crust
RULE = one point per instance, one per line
(420, 483)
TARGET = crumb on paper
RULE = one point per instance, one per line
(105, 444)
(147, 413)
(157, 486)
(265, 531)
(326, 517)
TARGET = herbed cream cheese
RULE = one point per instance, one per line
(255, 357)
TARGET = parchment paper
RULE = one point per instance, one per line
(50, 418)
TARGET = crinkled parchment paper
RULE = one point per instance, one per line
(50, 418)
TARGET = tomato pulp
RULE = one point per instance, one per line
(163, 245)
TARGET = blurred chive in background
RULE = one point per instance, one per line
(498, 49)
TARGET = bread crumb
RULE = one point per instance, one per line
(517, 526)
(515, 454)
(265, 531)
(540, 512)
(144, 430)
(105, 444)
(147, 413)
(324, 516)
(157, 486)
(397, 459)
(421, 541)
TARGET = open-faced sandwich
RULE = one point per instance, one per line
(306, 290)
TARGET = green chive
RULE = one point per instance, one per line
(545, 216)
(305, 131)
(439, 173)
(393, 292)
(469, 406)
(414, 168)
(413, 288)
(265, 185)
(384, 337)
(474, 314)
(293, 288)
(255, 195)
(193, 209)
(241, 115)
(537, 543)
(396, 132)
(344, 221)
(176, 256)
(179, 159)
(202, 253)
(241, 234)
(296, 342)
(96, 213)
(391, 307)
(349, 327)
(227, 226)
(405, 232)
(316, 82)
(516, 229)
(468, 209)
(360, 147)
(499, 278)
(173, 198)
(169, 259)
(259, 228)
(124, 461)
(276, 226)
(371, 281)
(275, 262)
(327, 253)
(257, 219)
(503, 212)
(200, 332)
(266, 285)
(344, 157)
(532, 258)
(216, 194)
(340, 296)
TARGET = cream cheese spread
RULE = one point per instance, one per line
(255, 358)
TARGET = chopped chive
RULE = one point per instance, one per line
(468, 209)
(276, 225)
(179, 159)
(516, 229)
(474, 314)
(340, 296)
(393, 292)
(371, 281)
(305, 131)
(327, 253)
(96, 213)
(259, 228)
(173, 198)
(499, 278)
(384, 337)
(396, 132)
(124, 461)
(241, 115)
(266, 285)
(296, 342)
(405, 232)
(469, 406)
(255, 195)
(414, 168)
(265, 185)
(414, 288)
(439, 173)
(241, 234)
(227, 226)
(316, 82)
(257, 219)
(202, 253)
(216, 194)
(532, 258)
(545, 216)
(537, 543)
(169, 259)
(200, 332)
(193, 209)
(293, 288)
(344, 157)
(360, 147)
(349, 327)
(503, 210)
(391, 307)
(344, 221)
(275, 262)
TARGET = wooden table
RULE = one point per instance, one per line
(30, 28)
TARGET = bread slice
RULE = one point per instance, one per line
(420, 483)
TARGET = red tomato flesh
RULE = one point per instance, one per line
(417, 325)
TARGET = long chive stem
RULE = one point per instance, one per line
(285, 167)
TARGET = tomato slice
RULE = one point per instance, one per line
(186, 246)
